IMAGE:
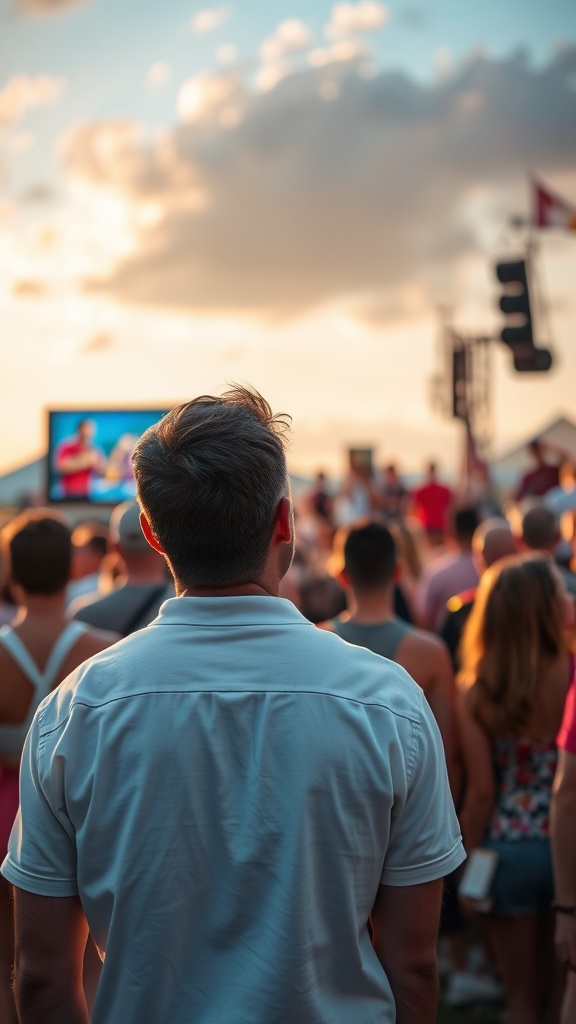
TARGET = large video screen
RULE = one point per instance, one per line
(89, 453)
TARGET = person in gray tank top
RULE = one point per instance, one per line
(371, 571)
(383, 638)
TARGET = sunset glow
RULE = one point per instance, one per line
(282, 194)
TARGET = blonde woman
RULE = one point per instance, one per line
(513, 683)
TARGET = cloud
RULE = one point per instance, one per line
(22, 93)
(104, 341)
(370, 199)
(443, 60)
(354, 19)
(113, 156)
(291, 36)
(227, 54)
(36, 194)
(29, 288)
(278, 52)
(35, 8)
(7, 211)
(207, 95)
(158, 74)
(22, 142)
(341, 52)
(209, 19)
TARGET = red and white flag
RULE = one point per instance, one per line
(551, 211)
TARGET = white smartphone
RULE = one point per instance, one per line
(478, 874)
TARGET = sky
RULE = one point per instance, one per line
(284, 194)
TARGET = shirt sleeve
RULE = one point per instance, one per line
(566, 738)
(425, 841)
(41, 856)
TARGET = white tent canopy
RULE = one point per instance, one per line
(558, 438)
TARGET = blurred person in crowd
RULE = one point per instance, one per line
(370, 573)
(392, 496)
(541, 478)
(448, 574)
(37, 651)
(135, 601)
(77, 460)
(514, 678)
(431, 504)
(233, 777)
(357, 497)
(321, 598)
(541, 532)
(563, 840)
(321, 501)
(410, 561)
(563, 498)
(335, 567)
(89, 549)
(492, 540)
(7, 606)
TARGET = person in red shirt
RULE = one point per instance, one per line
(431, 503)
(539, 480)
(77, 460)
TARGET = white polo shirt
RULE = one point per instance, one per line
(226, 790)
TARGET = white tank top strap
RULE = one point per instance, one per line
(42, 681)
(12, 643)
(60, 650)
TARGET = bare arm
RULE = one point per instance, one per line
(479, 777)
(427, 660)
(563, 840)
(404, 933)
(441, 696)
(50, 938)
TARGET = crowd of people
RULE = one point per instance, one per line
(290, 789)
(483, 618)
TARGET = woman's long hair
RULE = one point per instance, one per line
(513, 633)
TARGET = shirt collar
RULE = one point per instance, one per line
(230, 611)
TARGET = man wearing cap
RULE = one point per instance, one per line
(134, 603)
(251, 816)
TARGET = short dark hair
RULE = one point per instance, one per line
(540, 528)
(38, 548)
(370, 556)
(209, 477)
(466, 522)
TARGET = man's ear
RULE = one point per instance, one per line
(284, 520)
(147, 531)
(398, 572)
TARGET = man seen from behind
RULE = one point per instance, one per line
(251, 816)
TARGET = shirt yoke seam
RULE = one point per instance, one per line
(413, 718)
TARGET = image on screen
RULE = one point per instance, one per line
(89, 453)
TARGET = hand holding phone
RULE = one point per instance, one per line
(476, 881)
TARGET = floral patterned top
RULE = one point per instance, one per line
(524, 770)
